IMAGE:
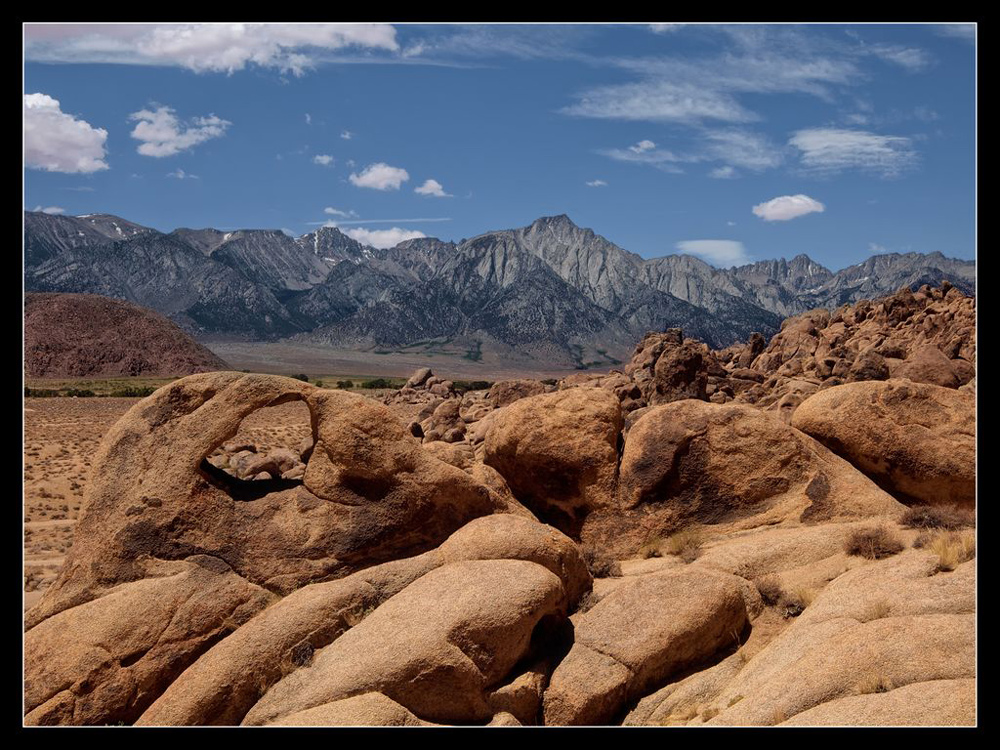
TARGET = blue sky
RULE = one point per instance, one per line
(737, 143)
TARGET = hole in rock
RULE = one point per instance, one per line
(269, 450)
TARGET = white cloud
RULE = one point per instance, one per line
(288, 232)
(965, 31)
(309, 119)
(82, 189)
(642, 146)
(383, 238)
(58, 142)
(204, 47)
(180, 174)
(786, 207)
(323, 159)
(665, 28)
(596, 183)
(831, 150)
(659, 101)
(162, 134)
(347, 135)
(348, 214)
(730, 223)
(875, 249)
(51, 210)
(909, 58)
(659, 158)
(742, 148)
(724, 173)
(433, 188)
(380, 176)
(720, 253)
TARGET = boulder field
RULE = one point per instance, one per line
(633, 548)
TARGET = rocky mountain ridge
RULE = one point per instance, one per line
(550, 290)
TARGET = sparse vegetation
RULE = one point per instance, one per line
(874, 682)
(734, 700)
(873, 543)
(345, 385)
(877, 610)
(953, 549)
(378, 383)
(769, 588)
(794, 603)
(587, 601)
(600, 564)
(302, 376)
(685, 544)
(464, 386)
(651, 548)
(938, 517)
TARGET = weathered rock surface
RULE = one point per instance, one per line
(637, 636)
(916, 440)
(558, 452)
(436, 647)
(369, 494)
(731, 464)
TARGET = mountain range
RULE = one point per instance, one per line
(551, 290)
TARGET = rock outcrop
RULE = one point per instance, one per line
(916, 440)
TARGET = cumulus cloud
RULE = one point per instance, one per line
(720, 253)
(204, 47)
(55, 210)
(786, 207)
(163, 134)
(433, 188)
(324, 160)
(348, 214)
(180, 174)
(380, 176)
(831, 150)
(347, 135)
(642, 146)
(383, 238)
(596, 183)
(58, 142)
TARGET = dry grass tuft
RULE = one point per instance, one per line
(874, 543)
(769, 588)
(938, 517)
(734, 700)
(601, 564)
(795, 603)
(709, 713)
(953, 549)
(877, 610)
(652, 548)
(873, 683)
(685, 544)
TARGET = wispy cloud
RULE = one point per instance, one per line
(912, 59)
(58, 142)
(432, 188)
(55, 210)
(826, 151)
(787, 207)
(720, 253)
(642, 147)
(724, 173)
(380, 176)
(662, 159)
(347, 135)
(204, 47)
(659, 101)
(324, 160)
(596, 183)
(163, 134)
(963, 31)
(665, 28)
(742, 148)
(180, 174)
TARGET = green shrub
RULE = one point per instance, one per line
(345, 384)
